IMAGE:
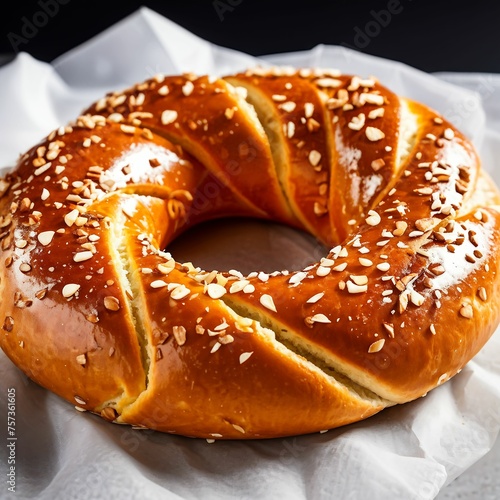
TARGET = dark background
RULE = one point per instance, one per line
(429, 35)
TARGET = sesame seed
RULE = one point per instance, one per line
(267, 301)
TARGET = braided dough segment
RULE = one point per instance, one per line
(212, 121)
(60, 254)
(424, 267)
(202, 355)
(326, 353)
(292, 113)
(331, 168)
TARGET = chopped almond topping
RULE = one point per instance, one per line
(354, 288)
(82, 256)
(374, 134)
(357, 122)
(245, 356)
(373, 218)
(179, 334)
(377, 164)
(81, 359)
(314, 157)
(70, 290)
(267, 301)
(481, 291)
(158, 284)
(215, 291)
(376, 346)
(466, 311)
(328, 82)
(111, 303)
(168, 116)
(45, 237)
(319, 318)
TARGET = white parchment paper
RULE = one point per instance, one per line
(410, 451)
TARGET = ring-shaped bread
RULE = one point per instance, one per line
(94, 309)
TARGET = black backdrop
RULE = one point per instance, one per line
(429, 35)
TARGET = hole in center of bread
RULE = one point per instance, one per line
(246, 245)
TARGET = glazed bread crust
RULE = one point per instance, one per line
(95, 309)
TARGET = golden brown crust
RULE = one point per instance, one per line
(94, 310)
